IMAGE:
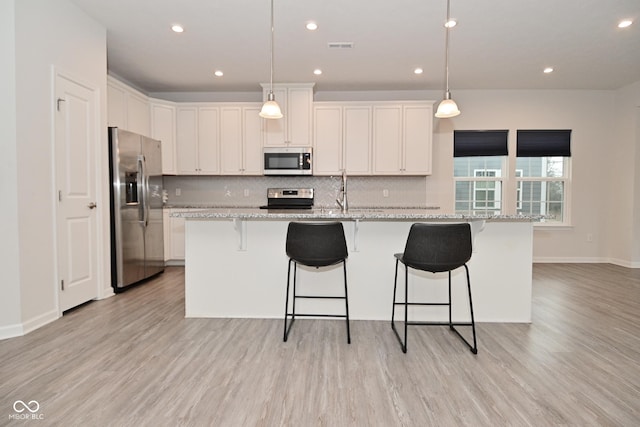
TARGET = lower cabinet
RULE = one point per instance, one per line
(174, 229)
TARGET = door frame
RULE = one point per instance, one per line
(100, 167)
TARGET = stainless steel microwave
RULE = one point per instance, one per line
(288, 161)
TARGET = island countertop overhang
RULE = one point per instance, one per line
(373, 214)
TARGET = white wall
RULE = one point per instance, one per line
(48, 34)
(10, 301)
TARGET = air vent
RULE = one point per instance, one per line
(340, 45)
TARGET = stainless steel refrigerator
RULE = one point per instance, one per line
(137, 242)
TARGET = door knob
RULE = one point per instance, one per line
(92, 205)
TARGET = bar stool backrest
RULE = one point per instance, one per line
(316, 244)
(438, 247)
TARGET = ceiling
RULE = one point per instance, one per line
(497, 44)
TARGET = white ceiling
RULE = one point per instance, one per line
(497, 44)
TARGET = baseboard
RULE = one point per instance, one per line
(39, 321)
(174, 263)
(569, 260)
(28, 326)
(11, 331)
(579, 260)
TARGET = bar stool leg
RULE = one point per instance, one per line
(346, 301)
(293, 303)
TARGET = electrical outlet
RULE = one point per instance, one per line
(385, 193)
(246, 192)
(178, 191)
(589, 237)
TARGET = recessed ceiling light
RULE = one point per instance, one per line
(317, 71)
(548, 70)
(418, 71)
(450, 23)
(624, 24)
(312, 26)
(177, 28)
(218, 73)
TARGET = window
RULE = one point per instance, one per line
(543, 157)
(478, 171)
(543, 186)
(540, 179)
(486, 194)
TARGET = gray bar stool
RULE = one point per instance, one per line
(316, 245)
(434, 248)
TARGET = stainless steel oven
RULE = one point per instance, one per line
(288, 161)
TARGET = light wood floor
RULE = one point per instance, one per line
(134, 360)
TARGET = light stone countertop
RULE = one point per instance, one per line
(352, 214)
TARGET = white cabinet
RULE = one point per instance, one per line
(241, 140)
(296, 101)
(402, 135)
(127, 108)
(342, 138)
(163, 128)
(197, 140)
(174, 230)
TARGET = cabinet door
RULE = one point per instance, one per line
(417, 140)
(163, 128)
(327, 154)
(138, 120)
(208, 140)
(299, 102)
(116, 107)
(357, 140)
(252, 136)
(166, 231)
(387, 139)
(177, 238)
(231, 140)
(187, 140)
(275, 133)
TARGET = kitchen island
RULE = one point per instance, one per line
(236, 266)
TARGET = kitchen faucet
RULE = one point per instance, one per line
(342, 195)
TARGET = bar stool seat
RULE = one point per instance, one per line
(315, 244)
(435, 248)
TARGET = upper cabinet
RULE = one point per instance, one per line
(296, 102)
(241, 139)
(163, 128)
(342, 138)
(197, 140)
(402, 137)
(127, 108)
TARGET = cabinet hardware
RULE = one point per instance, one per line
(62, 284)
(92, 205)
(58, 101)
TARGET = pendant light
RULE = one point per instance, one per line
(448, 107)
(271, 109)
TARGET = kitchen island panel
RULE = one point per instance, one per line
(229, 278)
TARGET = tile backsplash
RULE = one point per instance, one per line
(251, 191)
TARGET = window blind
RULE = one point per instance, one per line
(467, 143)
(544, 143)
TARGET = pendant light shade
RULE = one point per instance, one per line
(271, 109)
(448, 107)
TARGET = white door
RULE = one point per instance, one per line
(76, 137)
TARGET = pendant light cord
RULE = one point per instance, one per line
(271, 77)
(446, 52)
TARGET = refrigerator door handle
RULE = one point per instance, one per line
(145, 189)
(141, 190)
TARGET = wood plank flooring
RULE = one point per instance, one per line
(133, 360)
